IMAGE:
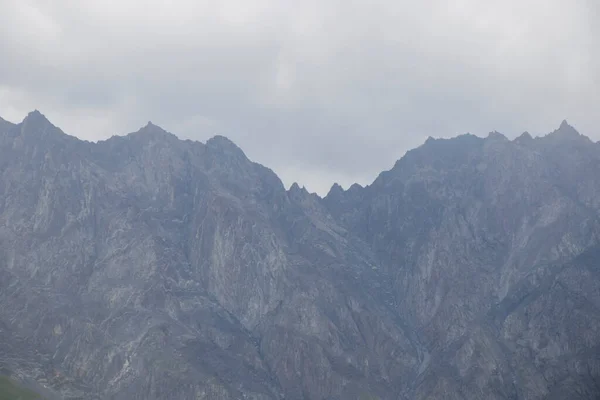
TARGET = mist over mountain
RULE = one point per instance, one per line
(147, 267)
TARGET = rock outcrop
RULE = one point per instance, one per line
(146, 267)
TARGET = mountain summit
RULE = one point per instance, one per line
(144, 267)
(566, 130)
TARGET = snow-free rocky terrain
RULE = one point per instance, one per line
(147, 267)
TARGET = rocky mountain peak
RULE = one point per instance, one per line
(36, 127)
(301, 195)
(566, 135)
(131, 270)
(296, 189)
(566, 130)
(336, 189)
(154, 132)
(564, 125)
(35, 114)
(225, 146)
(355, 187)
(151, 126)
(36, 118)
(523, 138)
(497, 136)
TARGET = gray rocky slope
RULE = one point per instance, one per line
(146, 267)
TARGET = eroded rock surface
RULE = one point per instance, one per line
(146, 267)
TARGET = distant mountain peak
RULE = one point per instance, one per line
(296, 188)
(495, 135)
(567, 129)
(35, 124)
(355, 187)
(221, 140)
(525, 137)
(297, 191)
(151, 127)
(35, 112)
(564, 125)
(153, 131)
(36, 116)
(225, 145)
(567, 132)
(189, 263)
(335, 190)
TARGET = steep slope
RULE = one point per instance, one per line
(481, 238)
(145, 267)
(5, 125)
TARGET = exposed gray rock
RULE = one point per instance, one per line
(5, 125)
(475, 232)
(146, 267)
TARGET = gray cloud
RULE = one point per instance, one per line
(320, 91)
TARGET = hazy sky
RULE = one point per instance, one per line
(319, 91)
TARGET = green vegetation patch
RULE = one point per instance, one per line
(9, 390)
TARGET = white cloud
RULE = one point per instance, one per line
(316, 90)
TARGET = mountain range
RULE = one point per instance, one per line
(148, 267)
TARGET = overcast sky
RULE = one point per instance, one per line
(318, 90)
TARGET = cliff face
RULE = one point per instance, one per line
(145, 267)
(489, 243)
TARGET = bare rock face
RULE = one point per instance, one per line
(5, 126)
(146, 267)
(481, 237)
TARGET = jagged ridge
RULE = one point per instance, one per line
(145, 267)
